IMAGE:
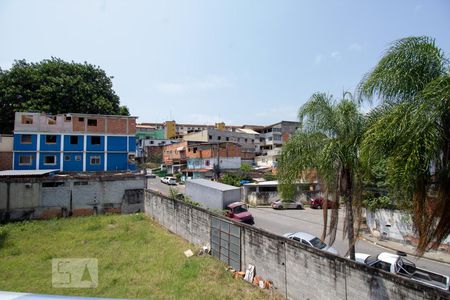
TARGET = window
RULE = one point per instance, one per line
(68, 118)
(25, 160)
(80, 119)
(219, 138)
(66, 157)
(77, 157)
(27, 119)
(210, 137)
(92, 122)
(246, 140)
(51, 120)
(227, 138)
(73, 139)
(207, 163)
(52, 184)
(50, 139)
(49, 160)
(95, 140)
(194, 150)
(151, 142)
(25, 139)
(95, 160)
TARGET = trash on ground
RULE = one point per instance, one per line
(188, 253)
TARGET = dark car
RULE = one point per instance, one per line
(317, 203)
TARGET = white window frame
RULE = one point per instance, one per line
(50, 164)
(26, 164)
(97, 157)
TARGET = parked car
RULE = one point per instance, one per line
(398, 264)
(285, 205)
(317, 203)
(169, 180)
(238, 211)
(310, 240)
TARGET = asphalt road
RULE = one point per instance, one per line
(311, 221)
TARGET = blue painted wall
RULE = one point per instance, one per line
(71, 164)
(99, 147)
(117, 161)
(18, 146)
(43, 166)
(117, 143)
(132, 144)
(90, 167)
(50, 147)
(19, 167)
(73, 147)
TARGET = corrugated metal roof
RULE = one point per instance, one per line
(213, 184)
(26, 172)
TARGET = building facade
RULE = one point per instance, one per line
(6, 151)
(74, 142)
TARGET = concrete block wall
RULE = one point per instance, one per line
(30, 199)
(297, 271)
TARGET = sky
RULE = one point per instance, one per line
(233, 61)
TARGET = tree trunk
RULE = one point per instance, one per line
(347, 192)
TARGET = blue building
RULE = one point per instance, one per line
(74, 142)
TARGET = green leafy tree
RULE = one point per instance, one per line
(411, 131)
(327, 140)
(55, 86)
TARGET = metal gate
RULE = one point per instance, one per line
(226, 242)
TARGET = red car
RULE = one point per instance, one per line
(238, 211)
(317, 202)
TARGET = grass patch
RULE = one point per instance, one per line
(137, 259)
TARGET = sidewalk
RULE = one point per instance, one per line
(436, 255)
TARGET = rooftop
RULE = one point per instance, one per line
(15, 173)
(213, 184)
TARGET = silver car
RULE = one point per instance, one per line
(310, 240)
(282, 205)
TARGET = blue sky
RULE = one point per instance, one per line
(241, 62)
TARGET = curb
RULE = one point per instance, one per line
(409, 252)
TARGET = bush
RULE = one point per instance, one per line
(373, 203)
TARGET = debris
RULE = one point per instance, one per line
(261, 284)
(188, 253)
(239, 274)
(256, 280)
(249, 273)
(204, 250)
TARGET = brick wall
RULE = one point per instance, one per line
(297, 271)
(6, 160)
(99, 128)
(117, 125)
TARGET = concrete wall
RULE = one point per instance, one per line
(297, 271)
(41, 198)
(394, 225)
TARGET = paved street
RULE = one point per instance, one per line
(310, 221)
(157, 185)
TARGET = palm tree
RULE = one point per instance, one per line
(411, 130)
(327, 140)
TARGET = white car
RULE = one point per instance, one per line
(279, 204)
(169, 180)
(310, 240)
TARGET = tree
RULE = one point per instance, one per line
(328, 140)
(55, 86)
(411, 130)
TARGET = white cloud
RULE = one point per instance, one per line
(195, 85)
(318, 59)
(355, 47)
(335, 54)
